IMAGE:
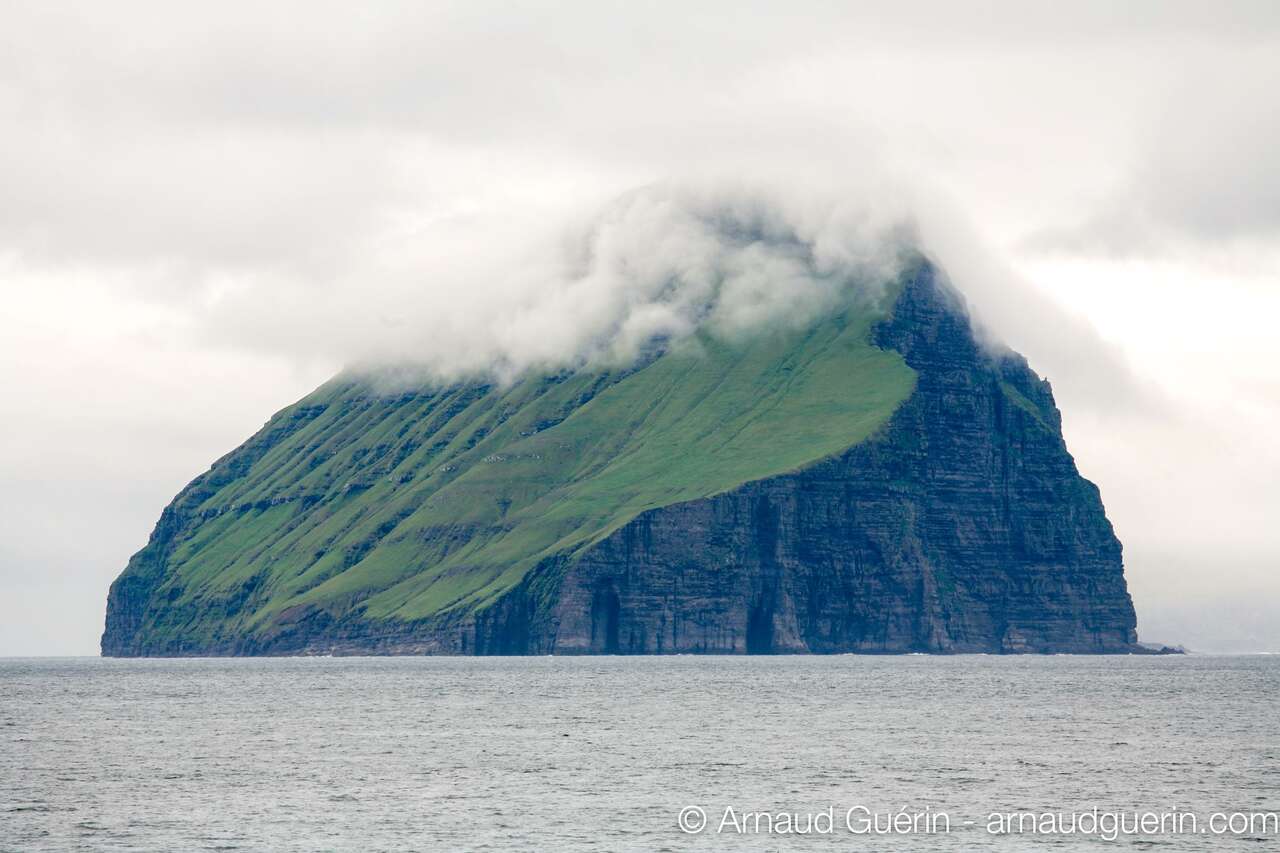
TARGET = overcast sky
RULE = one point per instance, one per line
(206, 210)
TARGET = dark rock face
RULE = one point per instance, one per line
(962, 526)
(133, 595)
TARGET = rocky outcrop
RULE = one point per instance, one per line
(961, 525)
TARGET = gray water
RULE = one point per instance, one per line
(569, 754)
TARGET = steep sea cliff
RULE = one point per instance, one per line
(879, 483)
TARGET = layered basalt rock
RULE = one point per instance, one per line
(961, 524)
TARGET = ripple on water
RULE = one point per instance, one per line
(577, 754)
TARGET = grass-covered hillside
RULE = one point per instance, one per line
(415, 504)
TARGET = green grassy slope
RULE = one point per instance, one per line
(416, 504)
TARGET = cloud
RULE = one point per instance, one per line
(1199, 175)
(204, 211)
(659, 262)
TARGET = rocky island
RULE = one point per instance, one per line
(876, 481)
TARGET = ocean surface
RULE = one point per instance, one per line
(575, 754)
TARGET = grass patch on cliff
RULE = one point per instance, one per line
(415, 504)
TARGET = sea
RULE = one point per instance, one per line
(640, 753)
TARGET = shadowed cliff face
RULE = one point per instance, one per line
(959, 525)
(963, 527)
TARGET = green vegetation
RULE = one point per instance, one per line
(419, 503)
